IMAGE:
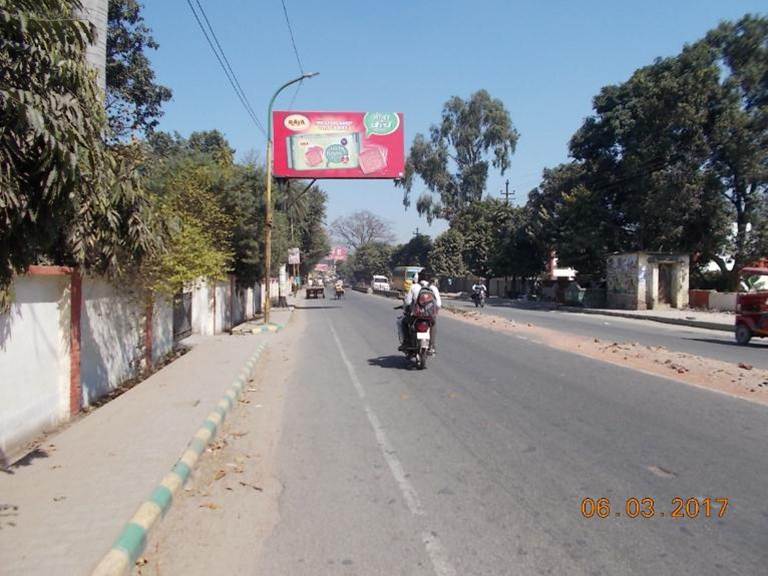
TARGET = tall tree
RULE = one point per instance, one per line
(453, 161)
(134, 99)
(369, 259)
(414, 252)
(361, 228)
(445, 258)
(64, 197)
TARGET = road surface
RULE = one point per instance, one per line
(479, 464)
(715, 344)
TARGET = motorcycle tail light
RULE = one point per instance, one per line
(422, 326)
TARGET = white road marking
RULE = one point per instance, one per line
(435, 550)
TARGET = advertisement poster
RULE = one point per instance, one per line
(338, 145)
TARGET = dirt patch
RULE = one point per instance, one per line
(741, 380)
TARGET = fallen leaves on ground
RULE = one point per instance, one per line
(209, 505)
(219, 475)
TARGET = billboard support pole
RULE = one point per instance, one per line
(268, 198)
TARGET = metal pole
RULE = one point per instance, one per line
(268, 198)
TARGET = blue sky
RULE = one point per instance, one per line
(545, 60)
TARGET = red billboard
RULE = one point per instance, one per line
(338, 144)
(338, 254)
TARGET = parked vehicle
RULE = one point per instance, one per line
(752, 306)
(380, 283)
(316, 291)
(403, 277)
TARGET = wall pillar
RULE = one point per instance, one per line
(75, 306)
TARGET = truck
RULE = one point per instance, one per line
(403, 278)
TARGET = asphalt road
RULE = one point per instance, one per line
(479, 464)
(708, 343)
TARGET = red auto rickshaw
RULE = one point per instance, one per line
(751, 307)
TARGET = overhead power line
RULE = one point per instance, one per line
(224, 62)
(293, 39)
(295, 52)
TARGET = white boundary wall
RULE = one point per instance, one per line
(34, 360)
(35, 350)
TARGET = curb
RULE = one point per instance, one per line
(130, 544)
(662, 319)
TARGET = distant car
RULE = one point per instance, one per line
(380, 283)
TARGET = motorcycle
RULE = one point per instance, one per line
(415, 342)
(478, 296)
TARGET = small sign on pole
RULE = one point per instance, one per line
(294, 256)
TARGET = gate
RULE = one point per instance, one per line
(182, 315)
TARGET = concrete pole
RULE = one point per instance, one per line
(95, 11)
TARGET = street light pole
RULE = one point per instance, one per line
(268, 197)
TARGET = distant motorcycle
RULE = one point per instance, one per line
(478, 297)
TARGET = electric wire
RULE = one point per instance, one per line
(293, 39)
(228, 72)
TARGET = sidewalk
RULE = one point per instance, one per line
(710, 320)
(63, 506)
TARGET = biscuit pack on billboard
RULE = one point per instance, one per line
(338, 145)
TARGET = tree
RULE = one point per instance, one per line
(518, 252)
(361, 228)
(677, 154)
(738, 138)
(369, 259)
(134, 100)
(445, 258)
(480, 225)
(415, 252)
(64, 197)
(454, 160)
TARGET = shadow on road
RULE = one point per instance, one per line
(391, 361)
(317, 307)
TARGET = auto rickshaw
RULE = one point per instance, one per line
(751, 306)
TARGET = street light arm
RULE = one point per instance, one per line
(275, 95)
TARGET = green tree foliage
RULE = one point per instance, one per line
(481, 225)
(198, 227)
(415, 252)
(453, 161)
(237, 193)
(65, 198)
(518, 252)
(672, 157)
(445, 258)
(369, 259)
(133, 100)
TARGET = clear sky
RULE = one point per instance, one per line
(545, 60)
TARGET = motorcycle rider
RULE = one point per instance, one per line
(478, 289)
(423, 281)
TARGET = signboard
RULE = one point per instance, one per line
(294, 256)
(338, 254)
(338, 145)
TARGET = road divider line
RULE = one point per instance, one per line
(434, 548)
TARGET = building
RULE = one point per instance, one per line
(647, 280)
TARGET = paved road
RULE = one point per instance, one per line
(478, 465)
(708, 343)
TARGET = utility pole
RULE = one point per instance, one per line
(506, 192)
(416, 232)
(268, 197)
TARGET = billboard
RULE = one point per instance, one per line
(294, 256)
(338, 254)
(338, 144)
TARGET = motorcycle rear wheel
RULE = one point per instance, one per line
(421, 359)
